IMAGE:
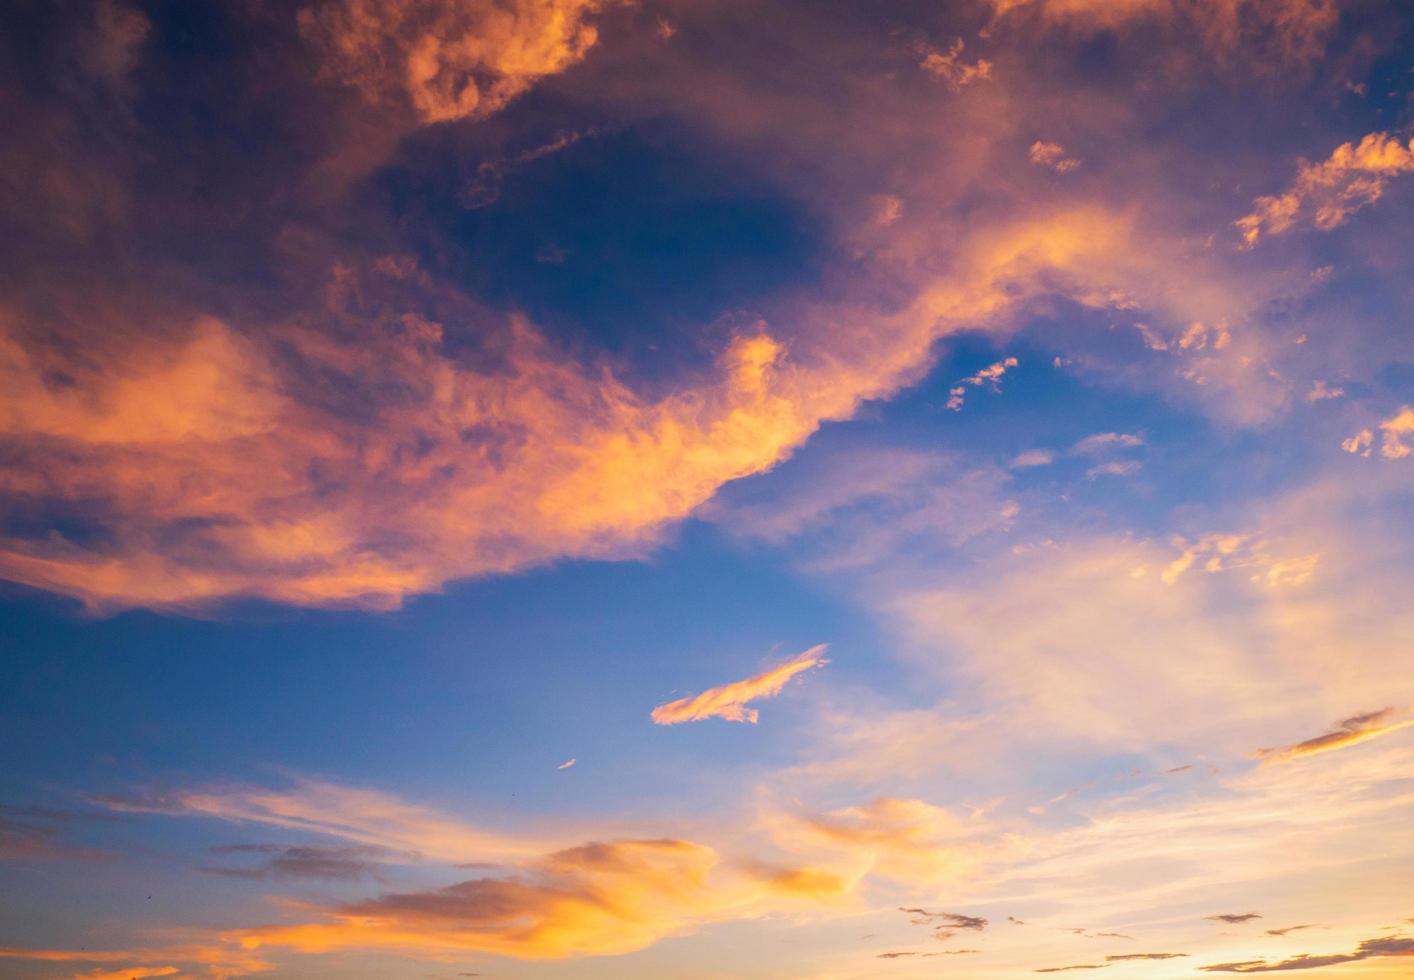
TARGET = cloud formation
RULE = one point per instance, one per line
(990, 375)
(1389, 946)
(1351, 731)
(1353, 177)
(450, 60)
(729, 700)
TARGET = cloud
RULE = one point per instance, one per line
(366, 817)
(1232, 918)
(949, 66)
(990, 375)
(281, 861)
(1117, 468)
(1248, 35)
(1103, 442)
(1284, 931)
(220, 961)
(1351, 731)
(1077, 966)
(449, 60)
(945, 925)
(1126, 957)
(603, 898)
(729, 701)
(1051, 156)
(1032, 457)
(1392, 946)
(1329, 192)
(904, 840)
(1394, 430)
(567, 764)
(30, 834)
(354, 456)
(1320, 392)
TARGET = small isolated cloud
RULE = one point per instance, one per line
(566, 765)
(1125, 957)
(945, 925)
(1283, 932)
(1370, 949)
(989, 375)
(1330, 191)
(1126, 467)
(1052, 156)
(1076, 966)
(1351, 731)
(1320, 391)
(729, 701)
(1394, 431)
(1031, 458)
(949, 66)
(1103, 442)
(1233, 919)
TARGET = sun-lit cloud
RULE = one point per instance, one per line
(1351, 731)
(1102, 442)
(449, 60)
(952, 69)
(364, 816)
(729, 700)
(907, 841)
(217, 960)
(1389, 946)
(1329, 192)
(990, 375)
(1051, 156)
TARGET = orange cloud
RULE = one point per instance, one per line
(1354, 176)
(729, 700)
(364, 816)
(207, 462)
(949, 66)
(595, 899)
(990, 375)
(1351, 731)
(218, 961)
(450, 60)
(1051, 156)
(908, 841)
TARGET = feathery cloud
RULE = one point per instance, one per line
(729, 700)
(1351, 731)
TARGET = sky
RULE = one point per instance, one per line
(647, 488)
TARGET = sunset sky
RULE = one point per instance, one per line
(641, 489)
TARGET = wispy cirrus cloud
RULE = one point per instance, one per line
(729, 700)
(1351, 731)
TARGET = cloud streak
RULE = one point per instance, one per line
(1351, 731)
(729, 701)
